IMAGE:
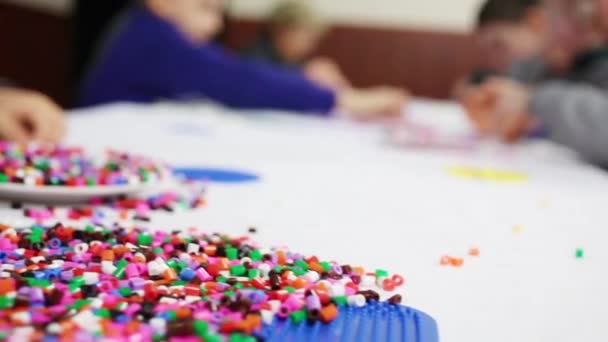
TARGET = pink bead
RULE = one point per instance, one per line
(132, 271)
(202, 275)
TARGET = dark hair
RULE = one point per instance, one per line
(504, 10)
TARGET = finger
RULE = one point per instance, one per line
(13, 130)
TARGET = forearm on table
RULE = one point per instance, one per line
(576, 116)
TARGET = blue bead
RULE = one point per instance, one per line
(187, 274)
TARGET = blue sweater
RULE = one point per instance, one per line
(149, 60)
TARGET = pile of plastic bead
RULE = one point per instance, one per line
(67, 284)
(107, 212)
(53, 165)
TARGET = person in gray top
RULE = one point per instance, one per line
(573, 108)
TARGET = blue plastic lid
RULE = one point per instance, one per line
(375, 322)
(216, 175)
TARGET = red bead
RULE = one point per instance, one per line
(388, 285)
(398, 280)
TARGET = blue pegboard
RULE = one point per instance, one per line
(216, 175)
(375, 322)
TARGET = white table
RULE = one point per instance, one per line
(338, 190)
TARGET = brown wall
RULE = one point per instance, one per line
(35, 52)
(427, 63)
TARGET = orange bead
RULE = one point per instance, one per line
(170, 275)
(299, 283)
(281, 258)
(315, 266)
(360, 271)
(107, 255)
(210, 250)
(6, 286)
(329, 313)
(474, 251)
(445, 260)
(457, 262)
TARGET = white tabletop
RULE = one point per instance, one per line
(340, 191)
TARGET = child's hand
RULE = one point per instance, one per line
(326, 73)
(500, 107)
(29, 116)
(480, 105)
(373, 103)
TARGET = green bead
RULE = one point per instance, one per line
(235, 338)
(230, 294)
(237, 270)
(200, 328)
(232, 253)
(179, 283)
(144, 239)
(125, 291)
(290, 289)
(381, 273)
(89, 229)
(298, 316)
(119, 272)
(91, 182)
(3, 178)
(255, 255)
(299, 272)
(122, 263)
(6, 302)
(213, 338)
(326, 266)
(302, 264)
(341, 301)
(78, 281)
(253, 273)
(38, 282)
(221, 279)
(104, 313)
(238, 286)
(580, 253)
(158, 250)
(79, 304)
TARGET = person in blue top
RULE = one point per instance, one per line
(163, 51)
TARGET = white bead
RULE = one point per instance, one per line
(37, 259)
(193, 248)
(87, 320)
(185, 257)
(158, 325)
(367, 281)
(168, 300)
(90, 278)
(107, 267)
(192, 299)
(274, 305)
(356, 300)
(81, 248)
(96, 303)
(380, 281)
(267, 316)
(336, 290)
(53, 329)
(312, 276)
(264, 270)
(245, 259)
(23, 317)
(154, 269)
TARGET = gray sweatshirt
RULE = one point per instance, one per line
(575, 110)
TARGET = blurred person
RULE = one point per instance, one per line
(574, 107)
(512, 35)
(29, 116)
(163, 51)
(291, 38)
